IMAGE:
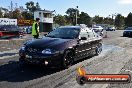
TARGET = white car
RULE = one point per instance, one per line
(98, 29)
(111, 29)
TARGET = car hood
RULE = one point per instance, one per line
(54, 43)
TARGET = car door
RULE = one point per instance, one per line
(92, 42)
(82, 45)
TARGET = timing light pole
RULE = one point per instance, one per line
(76, 14)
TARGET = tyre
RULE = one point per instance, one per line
(67, 59)
(98, 49)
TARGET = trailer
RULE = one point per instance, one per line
(8, 28)
(7, 31)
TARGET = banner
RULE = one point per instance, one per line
(22, 22)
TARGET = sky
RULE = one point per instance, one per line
(102, 8)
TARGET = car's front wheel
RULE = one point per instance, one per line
(67, 59)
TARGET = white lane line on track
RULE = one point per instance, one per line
(9, 51)
(11, 39)
(15, 51)
(5, 57)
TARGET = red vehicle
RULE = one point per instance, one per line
(8, 31)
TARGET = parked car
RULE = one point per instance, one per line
(127, 32)
(61, 47)
(9, 28)
(8, 31)
(110, 29)
(98, 30)
(29, 30)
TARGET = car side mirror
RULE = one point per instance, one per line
(83, 38)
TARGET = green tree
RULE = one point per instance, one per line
(27, 15)
(59, 19)
(1, 14)
(101, 19)
(38, 6)
(108, 20)
(119, 21)
(16, 14)
(31, 7)
(8, 15)
(128, 20)
(98, 20)
(84, 18)
(67, 19)
(72, 15)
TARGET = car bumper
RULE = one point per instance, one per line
(127, 34)
(47, 60)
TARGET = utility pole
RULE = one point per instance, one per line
(15, 5)
(11, 6)
(76, 14)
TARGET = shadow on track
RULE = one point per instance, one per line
(12, 72)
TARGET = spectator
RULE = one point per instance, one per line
(35, 28)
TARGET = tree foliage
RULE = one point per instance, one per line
(108, 20)
(8, 15)
(27, 15)
(1, 14)
(59, 19)
(98, 19)
(71, 12)
(84, 18)
(128, 20)
(16, 14)
(70, 17)
(32, 7)
(38, 6)
(119, 21)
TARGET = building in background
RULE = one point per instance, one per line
(46, 19)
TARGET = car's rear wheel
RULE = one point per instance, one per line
(98, 49)
(67, 59)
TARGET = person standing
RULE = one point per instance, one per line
(35, 28)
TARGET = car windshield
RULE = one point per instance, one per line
(66, 33)
(129, 28)
(95, 27)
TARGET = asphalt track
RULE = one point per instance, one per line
(116, 58)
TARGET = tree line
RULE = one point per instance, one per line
(83, 18)
(70, 17)
(18, 14)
